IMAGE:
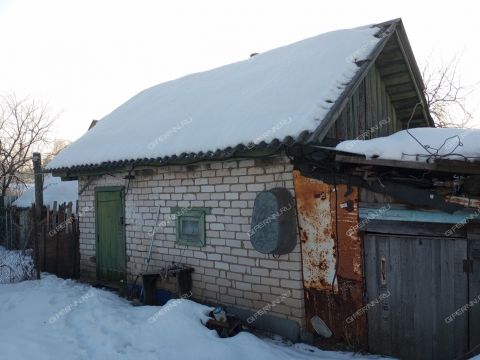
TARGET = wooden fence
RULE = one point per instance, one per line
(57, 239)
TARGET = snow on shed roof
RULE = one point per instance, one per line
(419, 144)
(53, 190)
(279, 94)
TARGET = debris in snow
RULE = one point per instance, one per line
(54, 189)
(230, 105)
(419, 144)
(103, 326)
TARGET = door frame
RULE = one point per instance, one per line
(121, 190)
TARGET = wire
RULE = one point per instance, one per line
(434, 153)
(129, 178)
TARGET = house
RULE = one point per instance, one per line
(205, 175)
(54, 190)
(55, 193)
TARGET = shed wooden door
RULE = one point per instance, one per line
(110, 249)
(474, 293)
(423, 283)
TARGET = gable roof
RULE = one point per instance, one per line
(283, 96)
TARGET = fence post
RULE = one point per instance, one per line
(37, 170)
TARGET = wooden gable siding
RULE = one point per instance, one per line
(368, 114)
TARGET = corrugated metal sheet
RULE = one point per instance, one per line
(316, 233)
(332, 257)
(262, 149)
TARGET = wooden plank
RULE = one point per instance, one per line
(383, 257)
(372, 274)
(361, 109)
(399, 88)
(44, 247)
(385, 105)
(342, 122)
(380, 104)
(405, 112)
(450, 167)
(395, 276)
(474, 289)
(407, 104)
(401, 96)
(421, 301)
(392, 67)
(374, 102)
(48, 218)
(54, 214)
(396, 79)
(389, 57)
(445, 253)
(407, 311)
(68, 218)
(332, 133)
(57, 245)
(352, 127)
(370, 110)
(411, 228)
(36, 245)
(460, 324)
(421, 216)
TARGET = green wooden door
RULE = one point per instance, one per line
(110, 235)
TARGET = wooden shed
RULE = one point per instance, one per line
(400, 252)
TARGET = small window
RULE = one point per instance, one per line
(191, 228)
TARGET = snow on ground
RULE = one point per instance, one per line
(54, 189)
(453, 144)
(275, 94)
(62, 319)
(15, 266)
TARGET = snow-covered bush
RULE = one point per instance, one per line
(15, 266)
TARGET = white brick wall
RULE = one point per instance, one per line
(227, 270)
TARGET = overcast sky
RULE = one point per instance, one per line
(85, 58)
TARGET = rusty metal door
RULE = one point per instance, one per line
(415, 288)
(332, 257)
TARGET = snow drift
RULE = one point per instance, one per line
(62, 319)
(420, 144)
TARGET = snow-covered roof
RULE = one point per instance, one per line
(420, 144)
(282, 93)
(53, 190)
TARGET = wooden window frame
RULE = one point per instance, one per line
(196, 215)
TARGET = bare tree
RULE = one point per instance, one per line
(446, 96)
(24, 126)
(57, 146)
